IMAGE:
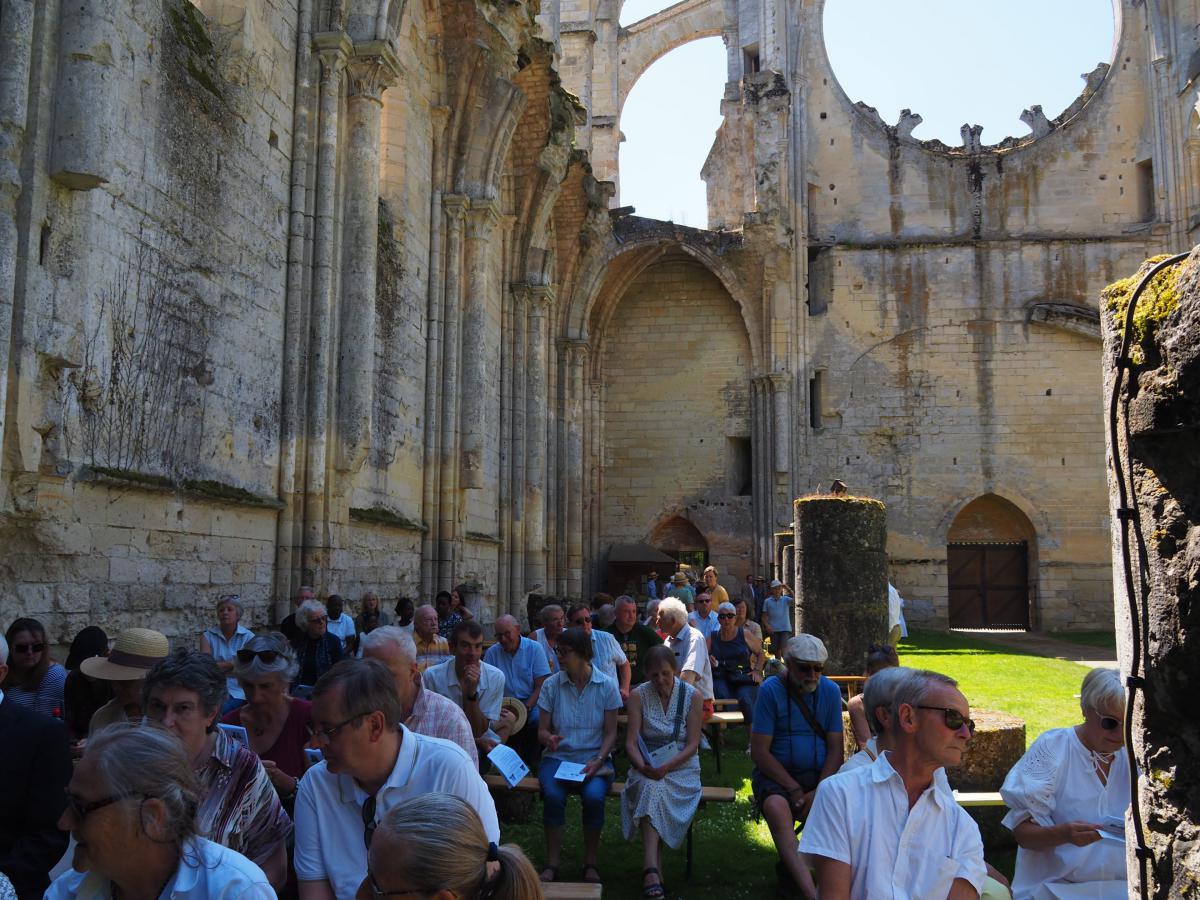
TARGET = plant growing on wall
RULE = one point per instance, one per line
(139, 394)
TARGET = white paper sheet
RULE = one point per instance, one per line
(508, 763)
(569, 771)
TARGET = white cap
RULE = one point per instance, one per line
(806, 648)
(776, 583)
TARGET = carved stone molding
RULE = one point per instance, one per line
(482, 217)
(333, 48)
(373, 69)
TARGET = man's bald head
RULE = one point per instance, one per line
(508, 633)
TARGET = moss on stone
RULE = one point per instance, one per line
(190, 30)
(130, 476)
(1157, 301)
(378, 515)
(843, 498)
(218, 490)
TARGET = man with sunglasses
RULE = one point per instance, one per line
(372, 763)
(795, 742)
(894, 828)
(35, 766)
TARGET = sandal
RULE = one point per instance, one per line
(553, 870)
(656, 891)
(589, 867)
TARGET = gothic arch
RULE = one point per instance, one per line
(645, 42)
(599, 291)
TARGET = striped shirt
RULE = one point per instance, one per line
(239, 808)
(47, 697)
(431, 652)
(436, 716)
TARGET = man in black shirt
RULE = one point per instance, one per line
(634, 637)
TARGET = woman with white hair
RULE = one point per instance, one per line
(131, 806)
(316, 650)
(1067, 798)
(222, 642)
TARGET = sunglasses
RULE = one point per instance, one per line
(268, 656)
(368, 820)
(80, 809)
(29, 648)
(726, 615)
(952, 718)
(806, 667)
(1108, 723)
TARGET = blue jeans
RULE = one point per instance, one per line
(744, 694)
(554, 796)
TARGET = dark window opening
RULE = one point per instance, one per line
(820, 280)
(741, 466)
(1145, 184)
(751, 62)
(814, 399)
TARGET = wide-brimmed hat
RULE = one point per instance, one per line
(679, 578)
(517, 708)
(134, 653)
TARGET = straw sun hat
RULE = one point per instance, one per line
(517, 708)
(134, 652)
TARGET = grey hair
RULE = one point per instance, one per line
(402, 640)
(671, 611)
(880, 690)
(438, 842)
(367, 687)
(284, 666)
(3, 651)
(549, 608)
(148, 762)
(1102, 691)
(234, 600)
(192, 671)
(914, 689)
(652, 605)
(307, 609)
(625, 598)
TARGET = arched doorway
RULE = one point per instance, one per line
(990, 549)
(682, 541)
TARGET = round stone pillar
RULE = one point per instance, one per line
(841, 576)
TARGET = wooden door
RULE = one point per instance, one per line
(988, 585)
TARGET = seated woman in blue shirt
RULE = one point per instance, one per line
(578, 724)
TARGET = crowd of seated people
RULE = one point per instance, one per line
(342, 756)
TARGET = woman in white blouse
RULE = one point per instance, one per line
(1067, 798)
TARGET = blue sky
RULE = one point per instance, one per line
(952, 61)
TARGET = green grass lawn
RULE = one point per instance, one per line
(734, 856)
(1103, 640)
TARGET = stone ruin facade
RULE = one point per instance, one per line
(343, 293)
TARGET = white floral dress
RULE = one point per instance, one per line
(671, 802)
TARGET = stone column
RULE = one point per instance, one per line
(86, 113)
(455, 207)
(763, 473)
(371, 70)
(557, 499)
(536, 401)
(841, 576)
(333, 50)
(578, 351)
(1155, 507)
(781, 420)
(517, 587)
(476, 393)
(16, 45)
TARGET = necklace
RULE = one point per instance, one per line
(1102, 763)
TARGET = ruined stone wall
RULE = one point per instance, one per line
(676, 392)
(144, 428)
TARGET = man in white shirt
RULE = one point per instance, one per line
(877, 696)
(554, 620)
(372, 763)
(894, 829)
(476, 686)
(689, 648)
(340, 625)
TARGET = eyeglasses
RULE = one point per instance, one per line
(368, 820)
(377, 891)
(330, 733)
(318, 619)
(245, 656)
(952, 718)
(581, 621)
(80, 808)
(806, 667)
(29, 648)
(726, 616)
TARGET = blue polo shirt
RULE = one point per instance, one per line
(793, 742)
(520, 669)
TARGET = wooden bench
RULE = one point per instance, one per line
(570, 890)
(708, 794)
(979, 798)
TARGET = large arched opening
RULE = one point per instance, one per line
(674, 364)
(991, 565)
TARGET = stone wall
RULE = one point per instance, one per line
(676, 401)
